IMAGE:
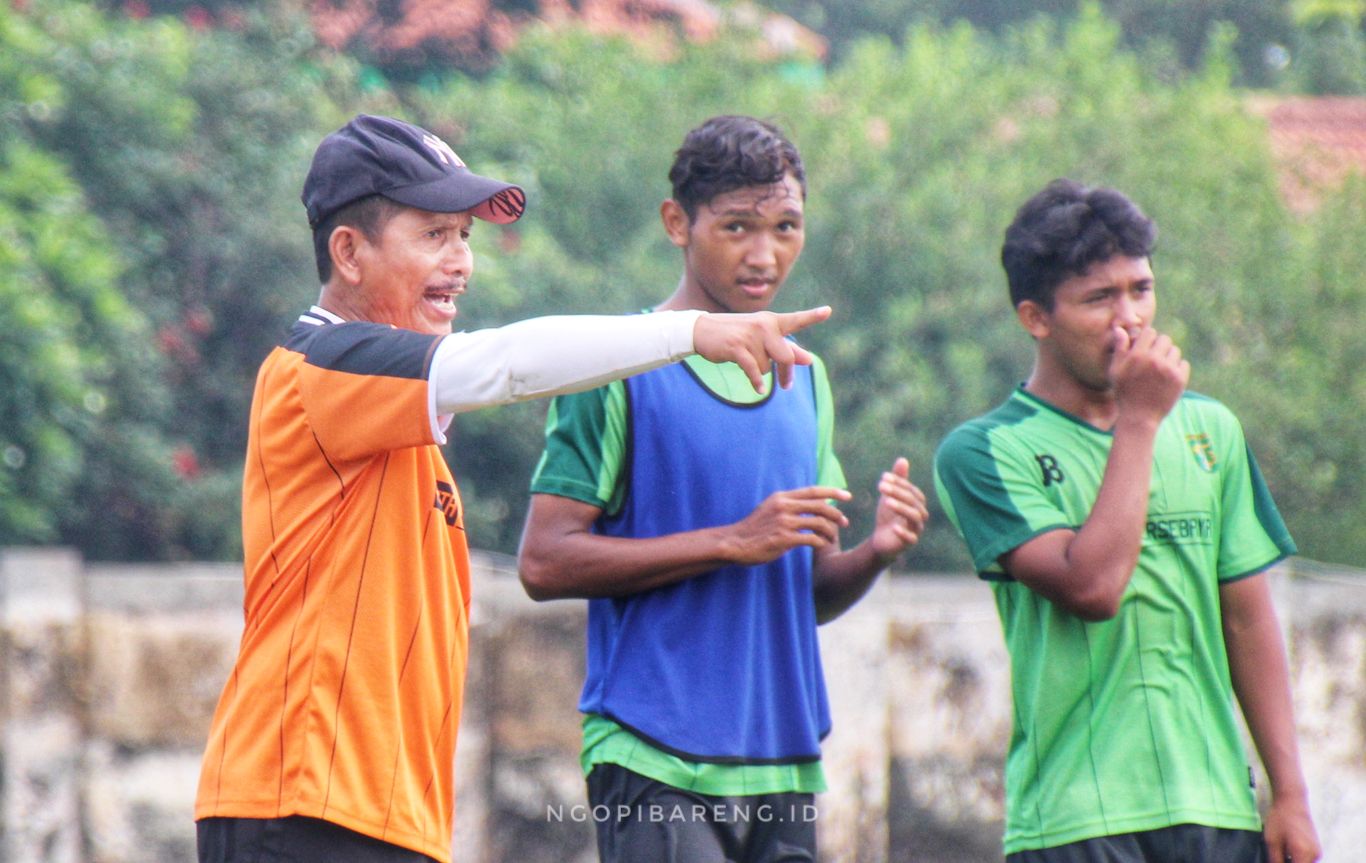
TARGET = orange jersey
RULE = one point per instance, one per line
(346, 695)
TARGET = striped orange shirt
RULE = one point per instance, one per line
(345, 699)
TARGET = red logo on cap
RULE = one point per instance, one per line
(443, 150)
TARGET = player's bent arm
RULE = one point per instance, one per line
(560, 556)
(841, 578)
(1086, 571)
(1261, 681)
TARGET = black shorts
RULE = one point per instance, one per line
(1182, 843)
(293, 840)
(639, 820)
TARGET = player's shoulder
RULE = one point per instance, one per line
(1007, 417)
(992, 440)
(314, 334)
(361, 347)
(1206, 407)
(982, 436)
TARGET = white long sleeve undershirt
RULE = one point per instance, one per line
(553, 355)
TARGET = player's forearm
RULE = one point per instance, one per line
(586, 565)
(1261, 681)
(1102, 556)
(553, 355)
(840, 578)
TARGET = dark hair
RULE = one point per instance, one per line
(368, 215)
(731, 152)
(1063, 231)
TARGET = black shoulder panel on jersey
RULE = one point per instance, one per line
(363, 348)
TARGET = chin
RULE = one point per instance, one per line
(429, 327)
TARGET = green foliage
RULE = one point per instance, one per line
(180, 141)
(917, 156)
(1175, 34)
(152, 246)
(939, 147)
(1331, 56)
(74, 360)
(1295, 366)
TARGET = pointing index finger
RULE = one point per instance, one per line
(791, 322)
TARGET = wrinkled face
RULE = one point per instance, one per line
(738, 250)
(1079, 332)
(415, 269)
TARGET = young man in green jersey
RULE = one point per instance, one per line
(697, 519)
(1125, 529)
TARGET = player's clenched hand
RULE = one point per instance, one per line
(901, 512)
(1149, 373)
(1289, 831)
(755, 341)
(785, 520)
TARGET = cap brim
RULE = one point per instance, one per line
(486, 198)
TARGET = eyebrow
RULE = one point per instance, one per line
(790, 212)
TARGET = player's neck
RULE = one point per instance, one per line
(687, 297)
(1097, 407)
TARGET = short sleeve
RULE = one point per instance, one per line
(1252, 534)
(829, 472)
(585, 445)
(992, 497)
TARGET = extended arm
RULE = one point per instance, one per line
(1261, 681)
(560, 557)
(560, 354)
(841, 578)
(1086, 571)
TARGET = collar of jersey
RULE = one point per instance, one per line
(1022, 393)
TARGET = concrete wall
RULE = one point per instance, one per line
(109, 676)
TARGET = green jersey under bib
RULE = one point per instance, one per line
(1126, 724)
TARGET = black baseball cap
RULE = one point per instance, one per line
(382, 156)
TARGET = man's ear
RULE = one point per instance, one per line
(1033, 318)
(676, 222)
(344, 247)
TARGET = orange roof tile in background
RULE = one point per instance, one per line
(1317, 142)
(475, 31)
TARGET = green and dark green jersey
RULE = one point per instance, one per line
(1126, 724)
(585, 460)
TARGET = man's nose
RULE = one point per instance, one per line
(762, 252)
(1128, 313)
(457, 259)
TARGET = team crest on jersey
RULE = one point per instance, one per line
(1203, 451)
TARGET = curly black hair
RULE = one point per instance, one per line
(1065, 229)
(731, 152)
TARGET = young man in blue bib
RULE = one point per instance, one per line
(698, 520)
(1124, 527)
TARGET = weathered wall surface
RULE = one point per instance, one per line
(109, 675)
